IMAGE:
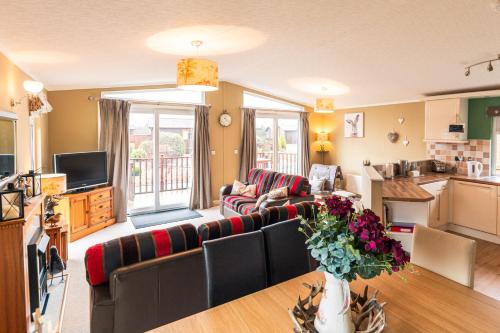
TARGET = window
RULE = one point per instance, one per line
(255, 101)
(278, 137)
(158, 95)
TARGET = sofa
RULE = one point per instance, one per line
(265, 180)
(145, 280)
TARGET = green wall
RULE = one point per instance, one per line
(480, 124)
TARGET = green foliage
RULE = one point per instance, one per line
(282, 142)
(147, 147)
(173, 143)
(138, 153)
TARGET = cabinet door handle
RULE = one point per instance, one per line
(439, 206)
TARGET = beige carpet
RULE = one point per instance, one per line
(76, 316)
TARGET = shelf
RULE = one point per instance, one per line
(446, 141)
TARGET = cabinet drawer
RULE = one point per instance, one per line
(97, 207)
(100, 217)
(99, 196)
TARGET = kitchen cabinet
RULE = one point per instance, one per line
(438, 207)
(475, 206)
(439, 114)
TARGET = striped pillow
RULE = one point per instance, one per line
(262, 178)
(306, 209)
(102, 259)
(231, 226)
(297, 185)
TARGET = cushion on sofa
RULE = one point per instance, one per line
(297, 185)
(262, 178)
(102, 259)
(231, 226)
(306, 209)
(235, 201)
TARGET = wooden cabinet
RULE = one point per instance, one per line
(438, 208)
(90, 211)
(475, 206)
(439, 114)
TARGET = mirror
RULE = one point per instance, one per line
(7, 145)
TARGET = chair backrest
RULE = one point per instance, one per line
(443, 253)
(286, 251)
(235, 266)
(328, 172)
(231, 226)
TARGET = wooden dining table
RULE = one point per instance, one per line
(417, 301)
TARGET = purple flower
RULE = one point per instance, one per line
(339, 207)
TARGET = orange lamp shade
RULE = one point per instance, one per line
(324, 105)
(197, 74)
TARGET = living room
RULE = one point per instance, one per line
(173, 166)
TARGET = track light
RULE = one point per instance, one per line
(489, 67)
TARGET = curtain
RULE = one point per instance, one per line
(113, 138)
(248, 144)
(201, 197)
(305, 146)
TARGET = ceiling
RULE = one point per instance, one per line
(384, 51)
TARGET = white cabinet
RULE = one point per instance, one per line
(439, 114)
(438, 208)
(475, 206)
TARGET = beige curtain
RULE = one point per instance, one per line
(201, 197)
(248, 144)
(305, 146)
(113, 138)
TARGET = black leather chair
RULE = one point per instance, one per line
(286, 251)
(235, 266)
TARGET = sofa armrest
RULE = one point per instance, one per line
(224, 190)
(279, 202)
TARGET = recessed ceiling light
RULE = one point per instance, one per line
(319, 86)
(217, 40)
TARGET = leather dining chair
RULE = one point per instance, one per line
(443, 253)
(286, 251)
(235, 266)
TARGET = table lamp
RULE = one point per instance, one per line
(53, 184)
(322, 139)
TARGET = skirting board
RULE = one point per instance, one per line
(473, 233)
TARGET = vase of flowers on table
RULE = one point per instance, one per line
(347, 243)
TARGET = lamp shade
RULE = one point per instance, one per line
(197, 75)
(324, 105)
(33, 87)
(54, 183)
(322, 137)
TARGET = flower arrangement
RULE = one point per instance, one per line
(347, 243)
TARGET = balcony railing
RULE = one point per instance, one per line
(287, 162)
(174, 174)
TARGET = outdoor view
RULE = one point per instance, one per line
(174, 160)
(277, 143)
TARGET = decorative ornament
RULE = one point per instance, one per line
(393, 136)
(401, 119)
(406, 142)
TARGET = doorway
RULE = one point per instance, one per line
(160, 158)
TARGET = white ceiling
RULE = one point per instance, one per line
(383, 50)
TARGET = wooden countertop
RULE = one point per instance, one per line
(408, 188)
(424, 302)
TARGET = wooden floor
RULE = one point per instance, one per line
(487, 270)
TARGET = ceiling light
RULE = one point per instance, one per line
(33, 87)
(490, 67)
(197, 74)
(324, 105)
(467, 71)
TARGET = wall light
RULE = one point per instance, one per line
(37, 101)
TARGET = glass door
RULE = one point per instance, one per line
(160, 158)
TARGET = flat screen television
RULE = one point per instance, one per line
(82, 169)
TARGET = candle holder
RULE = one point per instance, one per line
(11, 204)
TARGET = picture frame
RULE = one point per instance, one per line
(354, 125)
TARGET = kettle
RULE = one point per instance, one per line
(474, 168)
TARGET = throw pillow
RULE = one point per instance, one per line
(249, 191)
(262, 198)
(238, 187)
(279, 193)
(317, 185)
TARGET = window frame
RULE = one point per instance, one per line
(287, 106)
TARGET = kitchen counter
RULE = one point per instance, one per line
(408, 188)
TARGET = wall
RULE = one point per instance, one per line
(480, 124)
(73, 125)
(11, 86)
(349, 153)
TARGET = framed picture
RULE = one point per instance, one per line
(354, 125)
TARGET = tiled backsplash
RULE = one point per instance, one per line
(477, 150)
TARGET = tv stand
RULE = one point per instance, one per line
(88, 210)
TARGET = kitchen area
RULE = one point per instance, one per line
(455, 188)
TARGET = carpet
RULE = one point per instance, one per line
(151, 219)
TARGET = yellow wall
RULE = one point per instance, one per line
(73, 125)
(11, 86)
(349, 153)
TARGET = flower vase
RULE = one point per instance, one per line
(334, 313)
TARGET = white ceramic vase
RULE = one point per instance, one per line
(334, 313)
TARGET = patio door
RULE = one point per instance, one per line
(278, 137)
(160, 158)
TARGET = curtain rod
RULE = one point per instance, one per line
(96, 99)
(273, 110)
